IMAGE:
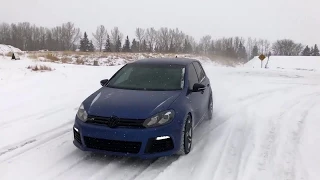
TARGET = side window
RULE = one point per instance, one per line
(192, 76)
(200, 71)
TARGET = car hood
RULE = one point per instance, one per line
(131, 104)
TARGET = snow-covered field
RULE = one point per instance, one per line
(266, 126)
(309, 63)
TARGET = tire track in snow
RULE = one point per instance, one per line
(271, 135)
(290, 148)
(30, 117)
(31, 143)
(75, 159)
(266, 151)
(238, 143)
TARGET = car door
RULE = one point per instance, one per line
(194, 98)
(205, 95)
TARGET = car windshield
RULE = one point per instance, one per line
(149, 77)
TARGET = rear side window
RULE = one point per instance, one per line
(200, 71)
(192, 76)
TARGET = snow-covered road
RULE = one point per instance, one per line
(266, 126)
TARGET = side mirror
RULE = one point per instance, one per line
(198, 87)
(104, 82)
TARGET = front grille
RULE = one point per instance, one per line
(115, 122)
(76, 136)
(156, 146)
(112, 145)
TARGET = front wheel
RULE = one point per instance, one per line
(186, 140)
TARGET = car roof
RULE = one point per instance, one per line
(176, 61)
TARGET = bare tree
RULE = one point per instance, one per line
(192, 42)
(5, 31)
(70, 34)
(151, 36)
(178, 39)
(249, 46)
(116, 36)
(100, 36)
(140, 33)
(164, 38)
(205, 43)
(287, 47)
(266, 49)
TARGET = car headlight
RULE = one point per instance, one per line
(159, 119)
(82, 113)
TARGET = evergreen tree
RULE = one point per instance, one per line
(126, 46)
(134, 47)
(242, 53)
(306, 51)
(91, 47)
(315, 51)
(118, 45)
(84, 43)
(107, 47)
(254, 51)
(311, 51)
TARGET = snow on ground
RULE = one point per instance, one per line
(310, 63)
(266, 126)
(5, 49)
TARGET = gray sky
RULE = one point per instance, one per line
(271, 19)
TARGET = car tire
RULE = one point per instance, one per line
(186, 139)
(210, 108)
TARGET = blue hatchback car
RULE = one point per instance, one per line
(148, 108)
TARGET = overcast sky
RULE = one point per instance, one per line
(271, 19)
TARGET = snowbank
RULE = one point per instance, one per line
(310, 63)
(5, 49)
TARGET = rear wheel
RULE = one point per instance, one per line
(210, 108)
(186, 140)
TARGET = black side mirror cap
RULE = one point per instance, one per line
(104, 82)
(197, 87)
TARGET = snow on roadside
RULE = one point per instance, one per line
(308, 63)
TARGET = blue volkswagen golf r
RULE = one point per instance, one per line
(148, 108)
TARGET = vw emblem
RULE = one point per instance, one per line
(113, 121)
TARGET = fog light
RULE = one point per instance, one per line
(162, 138)
(76, 129)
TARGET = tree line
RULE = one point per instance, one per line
(67, 36)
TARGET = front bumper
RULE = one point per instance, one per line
(143, 143)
